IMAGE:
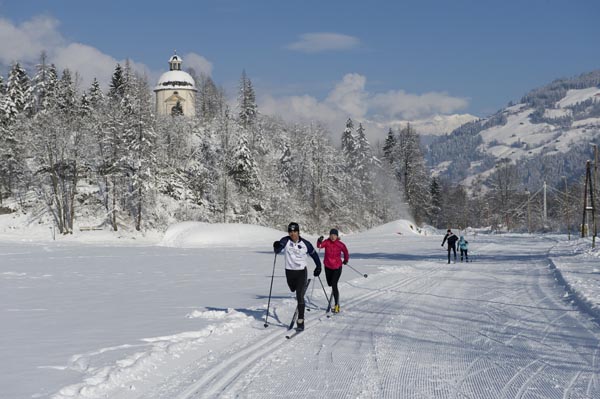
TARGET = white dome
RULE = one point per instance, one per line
(175, 80)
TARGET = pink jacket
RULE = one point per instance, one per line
(333, 253)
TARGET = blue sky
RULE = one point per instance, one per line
(375, 60)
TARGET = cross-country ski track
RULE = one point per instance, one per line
(427, 330)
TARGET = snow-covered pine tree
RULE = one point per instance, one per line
(435, 193)
(14, 133)
(412, 172)
(210, 100)
(113, 144)
(348, 140)
(352, 186)
(95, 94)
(18, 89)
(65, 94)
(389, 146)
(139, 157)
(248, 109)
(95, 125)
(243, 166)
(326, 177)
(225, 183)
(41, 84)
(364, 156)
(118, 84)
(85, 107)
(3, 101)
(11, 164)
(285, 166)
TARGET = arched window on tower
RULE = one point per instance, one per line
(177, 109)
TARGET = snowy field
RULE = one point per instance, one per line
(182, 317)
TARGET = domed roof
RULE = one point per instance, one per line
(175, 80)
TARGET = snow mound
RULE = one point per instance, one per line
(400, 227)
(208, 314)
(199, 234)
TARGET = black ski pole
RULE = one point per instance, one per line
(329, 303)
(270, 291)
(364, 275)
(324, 292)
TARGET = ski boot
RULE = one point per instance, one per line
(336, 309)
(300, 325)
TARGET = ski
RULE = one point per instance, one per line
(296, 312)
(293, 334)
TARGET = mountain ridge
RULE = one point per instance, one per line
(546, 135)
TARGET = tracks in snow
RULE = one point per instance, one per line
(481, 330)
(218, 379)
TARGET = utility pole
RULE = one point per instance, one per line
(588, 190)
(595, 193)
(545, 208)
(567, 208)
(585, 187)
(528, 212)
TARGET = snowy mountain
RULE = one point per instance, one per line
(431, 128)
(547, 135)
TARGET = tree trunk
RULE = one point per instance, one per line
(138, 222)
(114, 204)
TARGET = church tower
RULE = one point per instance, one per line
(175, 91)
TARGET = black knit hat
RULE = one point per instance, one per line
(293, 227)
(334, 231)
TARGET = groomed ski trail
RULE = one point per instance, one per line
(219, 378)
(426, 330)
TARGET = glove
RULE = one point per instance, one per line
(277, 246)
(345, 262)
(317, 272)
(320, 239)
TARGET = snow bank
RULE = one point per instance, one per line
(401, 227)
(198, 234)
(19, 227)
(575, 264)
(131, 372)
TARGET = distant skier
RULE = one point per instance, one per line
(463, 245)
(451, 238)
(296, 250)
(334, 249)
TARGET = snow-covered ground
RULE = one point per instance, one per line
(181, 316)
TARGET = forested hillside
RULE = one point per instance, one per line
(87, 157)
(546, 136)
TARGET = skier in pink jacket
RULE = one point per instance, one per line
(334, 249)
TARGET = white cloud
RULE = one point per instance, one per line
(199, 63)
(25, 42)
(299, 109)
(324, 41)
(87, 61)
(350, 96)
(377, 112)
(399, 104)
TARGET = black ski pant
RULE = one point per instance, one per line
(451, 247)
(464, 252)
(296, 280)
(333, 276)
